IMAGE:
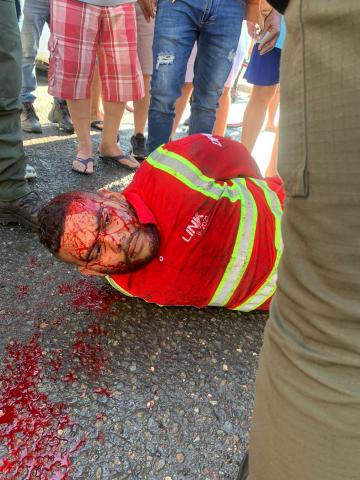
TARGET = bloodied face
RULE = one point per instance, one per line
(102, 235)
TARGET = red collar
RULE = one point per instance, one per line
(143, 212)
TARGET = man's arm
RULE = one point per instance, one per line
(252, 11)
(263, 20)
(272, 24)
(216, 157)
(148, 8)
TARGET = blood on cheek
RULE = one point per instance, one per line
(114, 248)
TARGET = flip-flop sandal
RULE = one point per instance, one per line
(126, 161)
(87, 163)
(97, 125)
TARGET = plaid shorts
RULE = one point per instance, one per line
(80, 32)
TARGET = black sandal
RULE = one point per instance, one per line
(126, 161)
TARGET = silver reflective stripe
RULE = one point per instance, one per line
(268, 287)
(242, 249)
(187, 173)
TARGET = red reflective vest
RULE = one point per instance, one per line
(219, 226)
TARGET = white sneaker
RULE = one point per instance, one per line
(30, 172)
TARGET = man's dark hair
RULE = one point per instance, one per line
(52, 219)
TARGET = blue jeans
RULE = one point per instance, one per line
(216, 26)
(34, 15)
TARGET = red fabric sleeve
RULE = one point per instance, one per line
(277, 185)
(217, 157)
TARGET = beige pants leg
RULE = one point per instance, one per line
(306, 423)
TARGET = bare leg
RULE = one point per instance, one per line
(272, 110)
(180, 106)
(97, 108)
(141, 108)
(272, 167)
(80, 115)
(254, 115)
(113, 112)
(222, 112)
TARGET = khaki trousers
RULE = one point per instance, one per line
(306, 423)
(12, 158)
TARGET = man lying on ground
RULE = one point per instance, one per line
(198, 225)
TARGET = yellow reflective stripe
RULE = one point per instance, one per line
(187, 173)
(242, 249)
(182, 169)
(268, 287)
(117, 287)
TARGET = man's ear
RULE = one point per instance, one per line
(90, 273)
(109, 195)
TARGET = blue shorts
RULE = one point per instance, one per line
(264, 70)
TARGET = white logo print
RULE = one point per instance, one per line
(213, 140)
(197, 226)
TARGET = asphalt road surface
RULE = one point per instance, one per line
(94, 385)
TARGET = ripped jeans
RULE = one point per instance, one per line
(216, 26)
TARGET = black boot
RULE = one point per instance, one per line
(29, 120)
(23, 210)
(59, 114)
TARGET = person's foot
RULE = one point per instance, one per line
(59, 114)
(30, 172)
(83, 165)
(138, 148)
(115, 154)
(29, 120)
(23, 210)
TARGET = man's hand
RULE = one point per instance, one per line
(272, 25)
(251, 28)
(110, 195)
(148, 8)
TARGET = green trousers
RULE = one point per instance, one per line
(306, 422)
(12, 158)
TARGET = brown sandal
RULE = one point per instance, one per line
(83, 165)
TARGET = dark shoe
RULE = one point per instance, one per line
(23, 210)
(138, 146)
(59, 114)
(29, 120)
(244, 468)
(97, 125)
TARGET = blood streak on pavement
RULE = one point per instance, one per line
(102, 391)
(23, 291)
(89, 295)
(31, 426)
(87, 348)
